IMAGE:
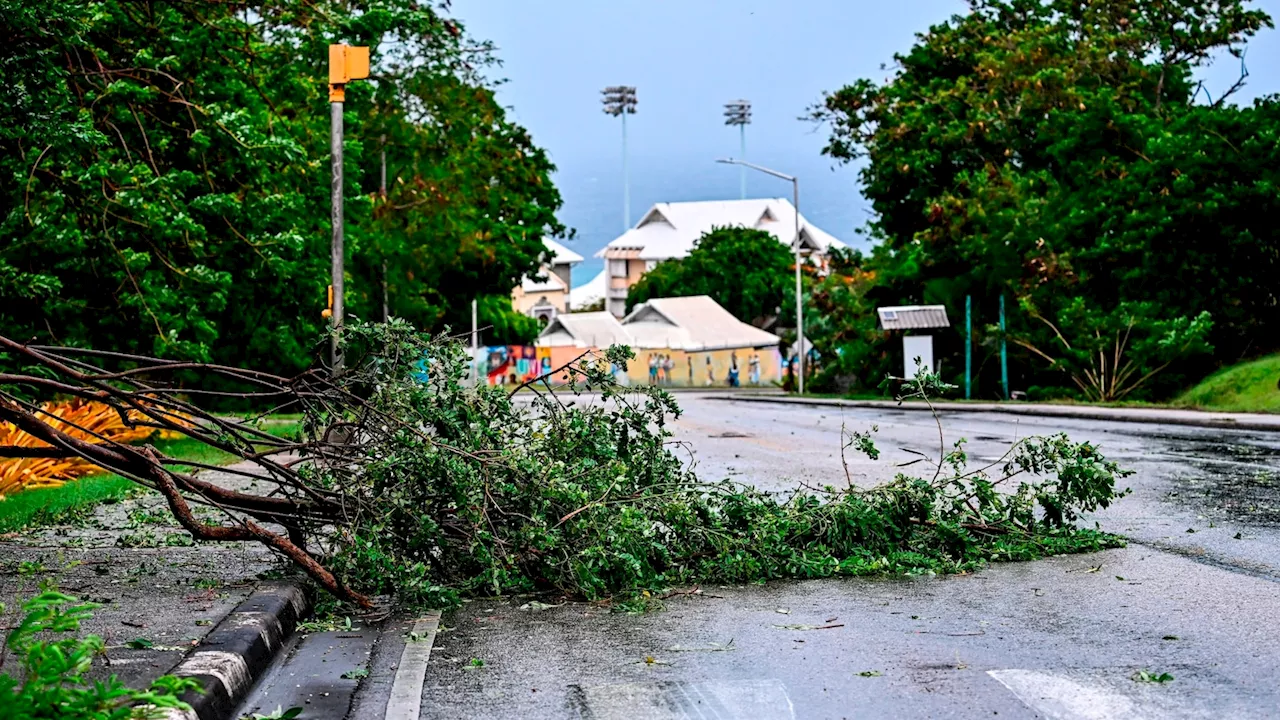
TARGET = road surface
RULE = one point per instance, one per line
(1195, 595)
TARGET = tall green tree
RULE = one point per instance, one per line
(1051, 150)
(167, 175)
(746, 270)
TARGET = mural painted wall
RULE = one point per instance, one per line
(676, 368)
(513, 364)
(741, 367)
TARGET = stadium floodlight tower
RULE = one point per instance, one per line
(620, 101)
(738, 113)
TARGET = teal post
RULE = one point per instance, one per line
(968, 344)
(1004, 353)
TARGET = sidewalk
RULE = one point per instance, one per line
(159, 592)
(1194, 418)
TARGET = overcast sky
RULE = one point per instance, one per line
(687, 58)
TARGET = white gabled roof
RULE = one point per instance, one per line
(584, 330)
(590, 292)
(693, 324)
(560, 255)
(551, 283)
(913, 317)
(670, 230)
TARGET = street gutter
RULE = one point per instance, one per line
(1193, 418)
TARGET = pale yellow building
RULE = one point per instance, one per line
(679, 342)
(547, 295)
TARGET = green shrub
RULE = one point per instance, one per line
(51, 684)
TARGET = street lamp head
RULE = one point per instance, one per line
(619, 99)
(737, 112)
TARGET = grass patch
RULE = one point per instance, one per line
(77, 498)
(55, 505)
(1247, 387)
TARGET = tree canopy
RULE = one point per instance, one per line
(167, 176)
(746, 270)
(1061, 153)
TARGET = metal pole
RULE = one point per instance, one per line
(626, 178)
(742, 169)
(382, 192)
(968, 344)
(1004, 353)
(475, 345)
(475, 335)
(795, 188)
(336, 249)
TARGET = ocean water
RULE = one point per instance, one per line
(592, 192)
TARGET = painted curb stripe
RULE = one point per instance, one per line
(239, 650)
(406, 690)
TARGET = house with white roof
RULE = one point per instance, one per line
(547, 295)
(589, 293)
(681, 341)
(692, 324)
(670, 230)
(583, 331)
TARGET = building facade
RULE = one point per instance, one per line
(547, 296)
(678, 342)
(671, 230)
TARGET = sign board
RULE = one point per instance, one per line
(916, 346)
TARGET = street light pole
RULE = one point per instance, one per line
(795, 190)
(620, 101)
(336, 250)
(346, 63)
(382, 194)
(738, 113)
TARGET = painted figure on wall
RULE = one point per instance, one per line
(515, 364)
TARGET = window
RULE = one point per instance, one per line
(617, 268)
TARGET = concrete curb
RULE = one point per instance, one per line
(1191, 418)
(239, 650)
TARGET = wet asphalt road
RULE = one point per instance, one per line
(1196, 595)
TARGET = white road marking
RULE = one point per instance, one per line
(1102, 695)
(406, 690)
(678, 700)
(1062, 698)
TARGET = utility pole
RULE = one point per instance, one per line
(968, 344)
(346, 63)
(620, 101)
(801, 342)
(738, 113)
